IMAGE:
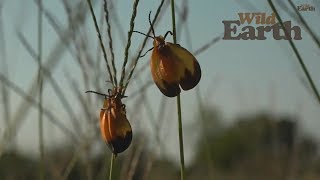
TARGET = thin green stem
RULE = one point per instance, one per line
(178, 100)
(303, 66)
(113, 156)
(180, 137)
(173, 22)
(40, 81)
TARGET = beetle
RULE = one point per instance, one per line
(172, 66)
(114, 125)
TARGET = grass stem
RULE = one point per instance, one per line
(106, 10)
(180, 137)
(113, 156)
(305, 24)
(126, 51)
(294, 48)
(101, 42)
(40, 81)
(178, 100)
(142, 47)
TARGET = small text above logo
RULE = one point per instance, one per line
(305, 7)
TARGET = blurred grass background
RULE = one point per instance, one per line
(253, 116)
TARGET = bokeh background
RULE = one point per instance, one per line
(252, 116)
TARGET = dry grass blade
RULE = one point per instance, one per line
(128, 168)
(135, 62)
(55, 85)
(79, 46)
(68, 10)
(30, 100)
(80, 42)
(305, 24)
(208, 45)
(141, 147)
(136, 157)
(40, 81)
(143, 88)
(183, 17)
(202, 113)
(141, 70)
(157, 126)
(91, 131)
(106, 10)
(84, 104)
(101, 41)
(118, 25)
(142, 46)
(52, 61)
(126, 51)
(296, 15)
(295, 50)
(56, 25)
(4, 68)
(2, 34)
(98, 71)
(76, 24)
(70, 166)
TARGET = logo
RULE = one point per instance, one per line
(255, 26)
(306, 7)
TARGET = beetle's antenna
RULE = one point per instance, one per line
(143, 34)
(121, 96)
(151, 25)
(168, 32)
(146, 52)
(101, 94)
